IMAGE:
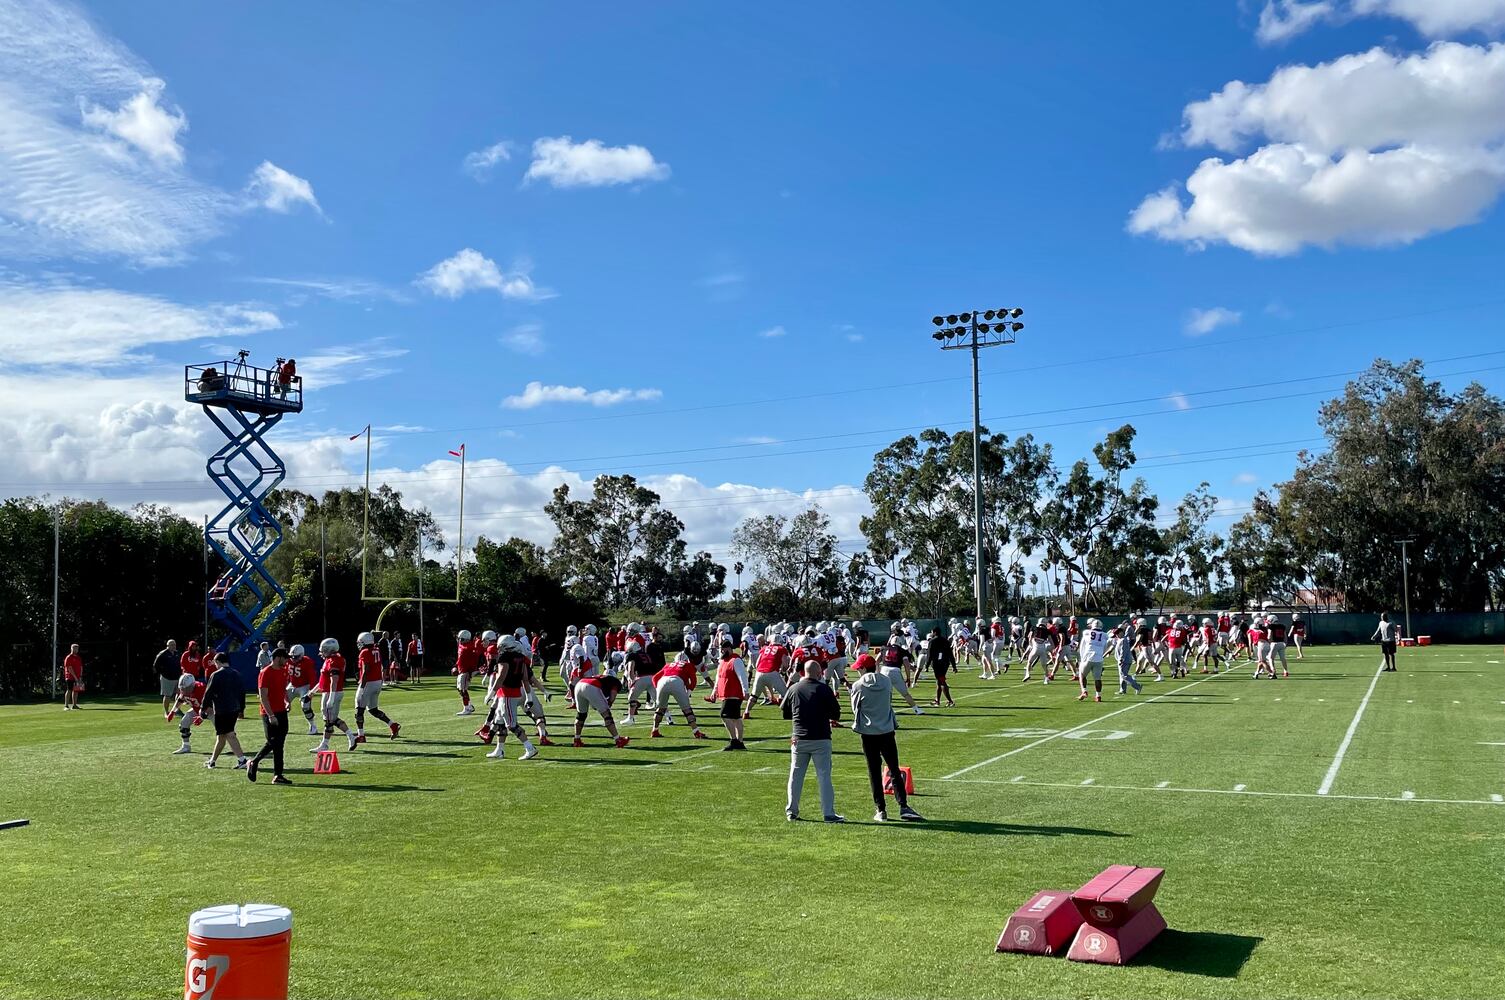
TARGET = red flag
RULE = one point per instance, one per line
(358, 433)
(460, 453)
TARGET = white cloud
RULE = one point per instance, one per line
(273, 188)
(773, 331)
(1179, 401)
(338, 364)
(339, 289)
(1370, 149)
(72, 180)
(480, 163)
(66, 325)
(565, 163)
(471, 271)
(1283, 19)
(526, 338)
(1448, 97)
(537, 394)
(758, 439)
(1204, 321)
(143, 123)
(1245, 479)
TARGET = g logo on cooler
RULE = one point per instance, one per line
(199, 984)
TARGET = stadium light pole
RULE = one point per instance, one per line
(972, 331)
(1405, 581)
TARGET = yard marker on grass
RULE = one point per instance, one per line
(1164, 784)
(1332, 772)
(1018, 777)
(1497, 798)
(1088, 781)
(1239, 788)
(1408, 795)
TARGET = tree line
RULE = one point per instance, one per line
(1404, 459)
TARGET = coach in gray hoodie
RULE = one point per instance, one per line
(873, 720)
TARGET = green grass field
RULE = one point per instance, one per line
(667, 869)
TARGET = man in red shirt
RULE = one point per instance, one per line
(368, 671)
(302, 675)
(190, 662)
(731, 689)
(415, 658)
(271, 688)
(1176, 636)
(768, 676)
(675, 681)
(597, 693)
(73, 678)
(332, 692)
(190, 702)
(467, 659)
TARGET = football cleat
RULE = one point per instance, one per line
(621, 742)
(579, 743)
(529, 752)
(396, 728)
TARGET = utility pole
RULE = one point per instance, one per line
(57, 529)
(1405, 581)
(963, 332)
(324, 575)
(421, 644)
(206, 584)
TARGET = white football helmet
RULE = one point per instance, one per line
(1161, 620)
(329, 647)
(634, 628)
(489, 635)
(367, 639)
(463, 635)
(520, 634)
(570, 630)
(296, 653)
(590, 630)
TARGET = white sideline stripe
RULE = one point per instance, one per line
(1492, 800)
(1332, 772)
(1492, 744)
(1067, 732)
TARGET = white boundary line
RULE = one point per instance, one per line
(1067, 732)
(1332, 772)
(1229, 791)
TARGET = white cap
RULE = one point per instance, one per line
(253, 920)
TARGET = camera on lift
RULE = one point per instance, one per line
(242, 355)
(281, 362)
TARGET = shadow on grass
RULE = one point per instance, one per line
(987, 828)
(334, 783)
(406, 741)
(409, 753)
(1199, 953)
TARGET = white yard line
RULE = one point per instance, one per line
(1163, 789)
(1085, 725)
(1332, 772)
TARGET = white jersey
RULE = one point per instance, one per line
(911, 632)
(574, 656)
(753, 644)
(1093, 644)
(592, 648)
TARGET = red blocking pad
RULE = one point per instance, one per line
(1117, 945)
(1042, 926)
(1121, 891)
(888, 780)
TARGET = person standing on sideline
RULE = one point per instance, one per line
(415, 658)
(1385, 633)
(166, 666)
(873, 720)
(73, 678)
(941, 661)
(271, 689)
(225, 699)
(264, 656)
(812, 706)
(1122, 642)
(191, 662)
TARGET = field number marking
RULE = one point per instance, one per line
(1070, 734)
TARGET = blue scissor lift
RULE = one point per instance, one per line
(245, 403)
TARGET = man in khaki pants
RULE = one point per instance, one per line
(812, 707)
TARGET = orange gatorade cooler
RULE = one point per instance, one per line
(238, 953)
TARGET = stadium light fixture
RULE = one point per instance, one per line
(970, 331)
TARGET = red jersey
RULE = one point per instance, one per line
(1256, 635)
(996, 630)
(368, 666)
(302, 672)
(1298, 628)
(1277, 631)
(73, 667)
(412, 649)
(190, 663)
(1207, 635)
(771, 659)
(274, 680)
(1224, 623)
(728, 684)
(467, 658)
(1175, 637)
(332, 676)
(1055, 634)
(194, 695)
(683, 669)
(815, 651)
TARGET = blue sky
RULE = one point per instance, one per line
(753, 202)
